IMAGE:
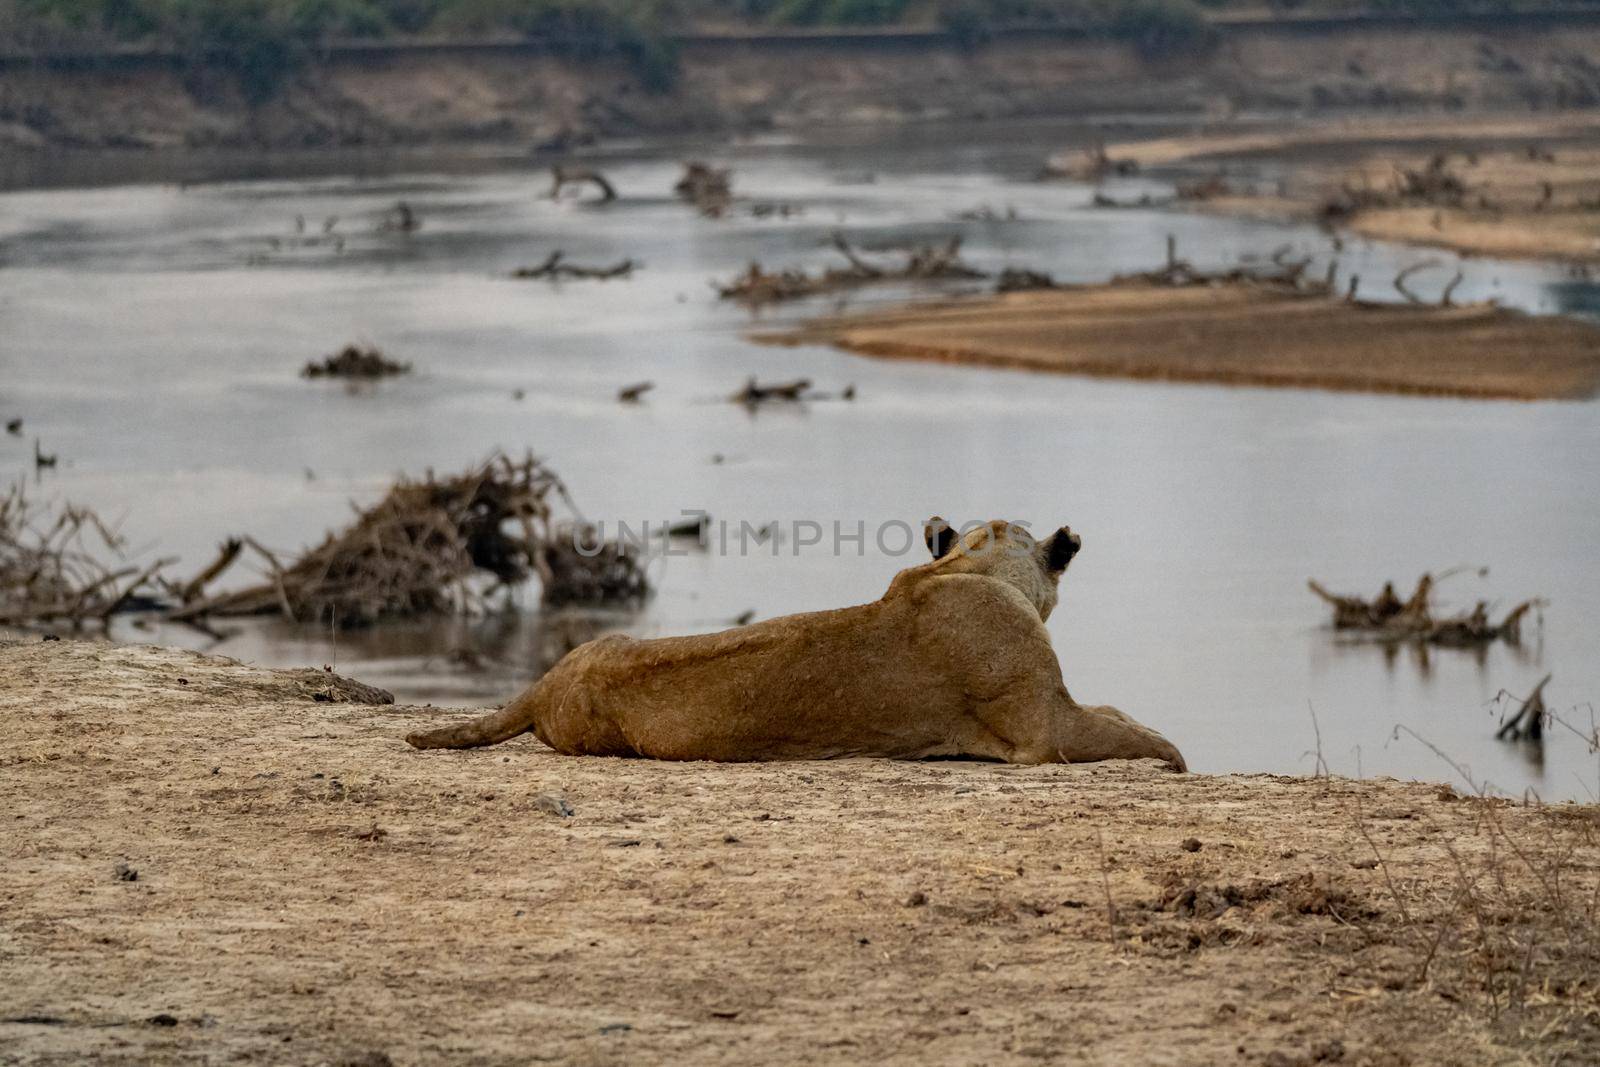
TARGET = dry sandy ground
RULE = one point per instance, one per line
(203, 862)
(1242, 334)
(1506, 165)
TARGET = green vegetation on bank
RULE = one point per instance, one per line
(262, 42)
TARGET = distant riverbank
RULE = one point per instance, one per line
(515, 92)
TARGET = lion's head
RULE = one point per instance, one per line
(1007, 551)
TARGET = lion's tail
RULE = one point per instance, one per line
(515, 718)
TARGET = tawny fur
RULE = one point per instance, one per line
(954, 660)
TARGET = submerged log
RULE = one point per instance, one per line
(555, 267)
(355, 361)
(1527, 724)
(708, 188)
(930, 262)
(755, 393)
(562, 177)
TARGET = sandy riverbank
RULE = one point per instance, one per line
(1523, 187)
(203, 861)
(1238, 334)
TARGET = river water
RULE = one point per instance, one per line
(151, 332)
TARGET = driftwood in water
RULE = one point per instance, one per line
(708, 188)
(54, 566)
(1388, 617)
(1527, 723)
(439, 546)
(1179, 273)
(579, 569)
(1021, 280)
(555, 267)
(696, 527)
(758, 286)
(775, 209)
(195, 587)
(355, 361)
(985, 213)
(755, 393)
(1204, 188)
(401, 218)
(561, 177)
(1143, 200)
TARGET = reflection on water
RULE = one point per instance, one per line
(152, 334)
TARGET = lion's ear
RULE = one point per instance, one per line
(939, 536)
(1063, 546)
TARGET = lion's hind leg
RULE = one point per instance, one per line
(1102, 732)
(1051, 727)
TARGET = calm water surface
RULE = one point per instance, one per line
(151, 335)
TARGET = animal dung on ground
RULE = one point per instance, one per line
(551, 804)
(1387, 617)
(356, 362)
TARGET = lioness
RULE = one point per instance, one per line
(954, 660)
